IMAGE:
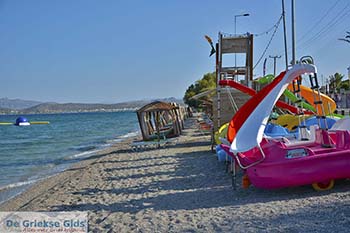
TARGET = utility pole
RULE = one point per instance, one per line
(293, 33)
(274, 64)
(285, 35)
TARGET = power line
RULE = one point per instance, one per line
(268, 44)
(258, 34)
(313, 27)
(267, 31)
(323, 46)
(323, 36)
(327, 28)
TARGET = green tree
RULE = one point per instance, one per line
(207, 82)
(190, 92)
(336, 82)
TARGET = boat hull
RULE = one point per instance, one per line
(301, 163)
(301, 171)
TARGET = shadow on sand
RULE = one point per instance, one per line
(197, 182)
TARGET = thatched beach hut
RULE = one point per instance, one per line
(158, 120)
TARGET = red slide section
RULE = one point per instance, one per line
(252, 92)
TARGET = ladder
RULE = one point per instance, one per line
(303, 132)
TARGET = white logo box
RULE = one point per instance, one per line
(76, 222)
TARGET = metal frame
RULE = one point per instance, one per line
(236, 158)
(247, 70)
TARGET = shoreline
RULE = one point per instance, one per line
(29, 155)
(180, 188)
(13, 190)
(53, 179)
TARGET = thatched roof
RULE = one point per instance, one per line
(156, 106)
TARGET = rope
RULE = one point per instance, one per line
(233, 103)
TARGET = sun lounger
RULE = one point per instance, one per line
(142, 145)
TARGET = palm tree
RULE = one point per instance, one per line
(347, 38)
(335, 82)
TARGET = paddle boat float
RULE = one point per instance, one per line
(269, 163)
(22, 121)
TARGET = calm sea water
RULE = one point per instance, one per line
(31, 153)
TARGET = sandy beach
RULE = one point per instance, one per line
(180, 188)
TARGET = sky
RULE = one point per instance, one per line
(93, 51)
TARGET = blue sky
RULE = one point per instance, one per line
(113, 51)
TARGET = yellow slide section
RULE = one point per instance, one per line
(308, 94)
(289, 121)
(221, 133)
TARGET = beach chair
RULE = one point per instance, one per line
(144, 145)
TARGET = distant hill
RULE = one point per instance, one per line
(79, 107)
(17, 103)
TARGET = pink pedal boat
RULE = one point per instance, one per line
(319, 159)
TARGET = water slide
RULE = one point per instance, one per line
(252, 92)
(248, 124)
(308, 94)
(268, 78)
(294, 99)
(278, 164)
(289, 121)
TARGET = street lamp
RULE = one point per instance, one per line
(236, 16)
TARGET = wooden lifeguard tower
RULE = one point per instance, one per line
(228, 100)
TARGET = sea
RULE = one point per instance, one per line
(31, 153)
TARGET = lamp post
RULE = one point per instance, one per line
(236, 16)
